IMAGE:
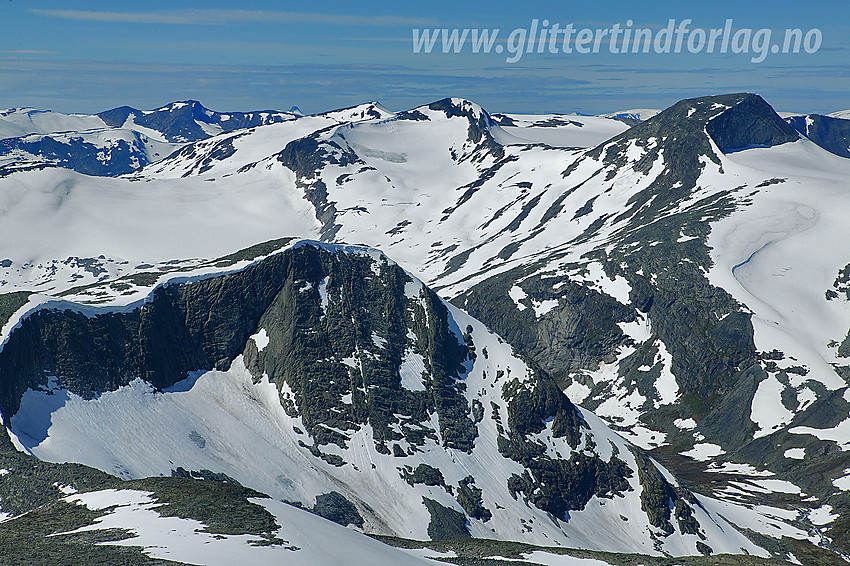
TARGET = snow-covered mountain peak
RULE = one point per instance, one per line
(189, 120)
(177, 105)
(360, 112)
(448, 108)
(86, 143)
(632, 115)
(681, 140)
(732, 121)
(454, 106)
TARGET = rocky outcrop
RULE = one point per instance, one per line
(306, 157)
(335, 507)
(581, 332)
(445, 524)
(555, 485)
(480, 122)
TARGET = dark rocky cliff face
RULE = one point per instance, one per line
(335, 307)
(580, 332)
(749, 123)
(206, 324)
(183, 328)
(832, 134)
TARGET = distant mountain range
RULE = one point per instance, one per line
(625, 333)
(116, 141)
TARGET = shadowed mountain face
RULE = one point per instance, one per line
(189, 121)
(101, 153)
(117, 141)
(751, 122)
(832, 134)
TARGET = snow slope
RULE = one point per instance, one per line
(778, 255)
(560, 130)
(15, 122)
(309, 539)
(53, 215)
(222, 421)
(302, 538)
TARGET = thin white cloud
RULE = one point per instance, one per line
(224, 17)
(29, 52)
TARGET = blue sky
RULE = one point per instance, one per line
(90, 56)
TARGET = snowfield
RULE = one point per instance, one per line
(560, 130)
(16, 122)
(309, 539)
(779, 255)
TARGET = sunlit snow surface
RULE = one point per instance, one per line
(309, 539)
(16, 122)
(779, 255)
(562, 130)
